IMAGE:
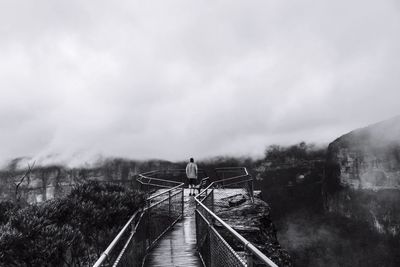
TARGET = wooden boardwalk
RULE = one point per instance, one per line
(178, 247)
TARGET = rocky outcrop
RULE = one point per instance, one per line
(363, 176)
(252, 221)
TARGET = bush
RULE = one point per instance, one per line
(6, 209)
(70, 231)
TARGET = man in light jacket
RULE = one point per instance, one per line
(191, 174)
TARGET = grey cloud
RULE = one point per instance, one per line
(168, 79)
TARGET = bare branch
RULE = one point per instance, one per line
(22, 178)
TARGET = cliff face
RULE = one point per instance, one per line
(47, 182)
(363, 176)
(252, 221)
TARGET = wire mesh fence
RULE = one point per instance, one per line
(222, 254)
(218, 243)
(163, 209)
(163, 213)
(135, 245)
(214, 250)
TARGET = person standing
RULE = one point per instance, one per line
(191, 174)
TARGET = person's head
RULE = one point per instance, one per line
(191, 160)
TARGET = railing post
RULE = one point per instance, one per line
(147, 224)
(183, 201)
(148, 211)
(212, 200)
(196, 225)
(210, 258)
(212, 206)
(251, 189)
(169, 203)
(249, 258)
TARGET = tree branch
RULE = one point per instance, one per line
(22, 178)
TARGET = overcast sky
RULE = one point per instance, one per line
(173, 79)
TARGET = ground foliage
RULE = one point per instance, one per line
(291, 180)
(69, 231)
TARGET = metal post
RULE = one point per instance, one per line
(169, 203)
(196, 217)
(147, 223)
(183, 200)
(249, 258)
(147, 213)
(212, 206)
(212, 200)
(210, 257)
(251, 190)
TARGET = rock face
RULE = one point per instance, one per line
(363, 176)
(47, 182)
(252, 221)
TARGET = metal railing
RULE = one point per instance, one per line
(217, 242)
(236, 178)
(142, 231)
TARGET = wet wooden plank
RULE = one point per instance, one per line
(176, 248)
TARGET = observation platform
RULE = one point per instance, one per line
(175, 229)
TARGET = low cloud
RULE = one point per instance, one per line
(178, 79)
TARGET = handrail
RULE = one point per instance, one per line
(128, 241)
(247, 244)
(166, 192)
(231, 178)
(146, 173)
(114, 242)
(155, 204)
(157, 179)
(117, 238)
(230, 168)
(243, 240)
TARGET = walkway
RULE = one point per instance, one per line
(178, 247)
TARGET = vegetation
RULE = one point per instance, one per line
(278, 156)
(73, 230)
(290, 178)
(315, 240)
(69, 231)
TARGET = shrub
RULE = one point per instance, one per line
(6, 209)
(69, 231)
